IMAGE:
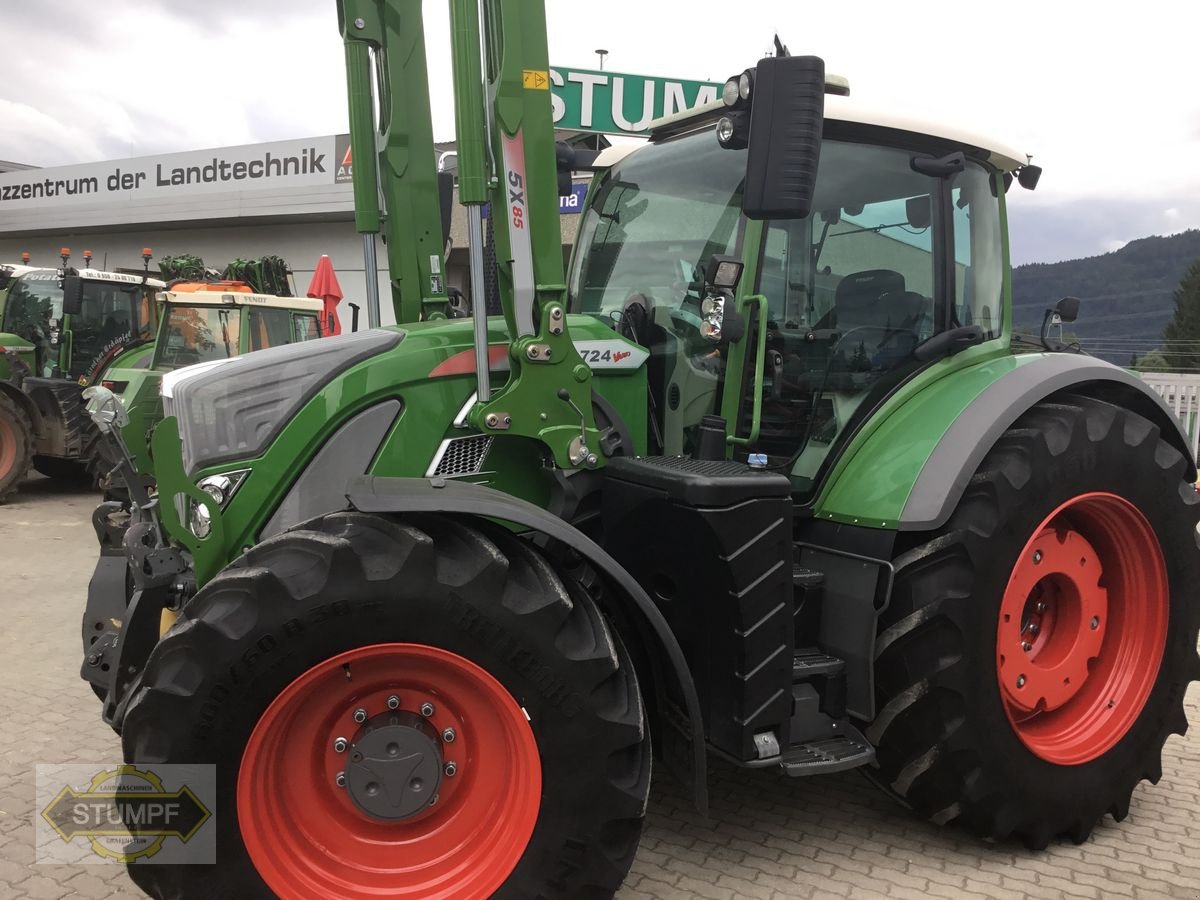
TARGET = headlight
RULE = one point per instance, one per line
(730, 92)
(745, 85)
(725, 130)
(713, 310)
(200, 522)
(220, 488)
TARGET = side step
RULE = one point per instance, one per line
(848, 750)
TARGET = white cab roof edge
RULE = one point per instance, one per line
(843, 109)
(236, 298)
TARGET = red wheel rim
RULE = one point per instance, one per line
(8, 447)
(1082, 628)
(306, 836)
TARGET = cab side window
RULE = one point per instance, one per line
(269, 328)
(306, 328)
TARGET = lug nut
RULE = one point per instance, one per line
(1037, 556)
(1020, 681)
(360, 715)
(339, 745)
(1026, 646)
(448, 735)
(1041, 607)
(1034, 628)
(433, 802)
(450, 769)
(1095, 622)
(427, 709)
(393, 702)
(340, 781)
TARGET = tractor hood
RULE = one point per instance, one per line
(234, 408)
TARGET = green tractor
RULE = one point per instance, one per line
(766, 476)
(61, 330)
(204, 322)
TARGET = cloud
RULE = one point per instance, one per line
(81, 85)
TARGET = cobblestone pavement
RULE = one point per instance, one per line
(772, 837)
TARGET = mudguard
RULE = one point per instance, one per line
(910, 472)
(375, 494)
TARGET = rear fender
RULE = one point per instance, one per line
(374, 494)
(922, 464)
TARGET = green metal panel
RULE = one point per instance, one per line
(431, 401)
(872, 479)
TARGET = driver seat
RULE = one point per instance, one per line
(858, 299)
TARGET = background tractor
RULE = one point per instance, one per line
(765, 476)
(203, 322)
(61, 330)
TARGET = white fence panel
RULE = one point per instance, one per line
(1181, 393)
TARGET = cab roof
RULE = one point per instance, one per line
(37, 273)
(1003, 156)
(241, 298)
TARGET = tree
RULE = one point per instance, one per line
(1154, 361)
(1182, 334)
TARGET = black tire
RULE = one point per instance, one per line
(435, 581)
(945, 745)
(16, 445)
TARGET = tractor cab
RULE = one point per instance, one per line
(209, 321)
(205, 322)
(903, 242)
(72, 327)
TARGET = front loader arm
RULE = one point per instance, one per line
(395, 173)
(506, 129)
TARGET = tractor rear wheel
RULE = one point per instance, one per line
(1035, 655)
(16, 445)
(314, 666)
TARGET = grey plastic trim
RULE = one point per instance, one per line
(955, 458)
(321, 486)
(370, 493)
(234, 411)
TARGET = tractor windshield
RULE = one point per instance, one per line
(650, 228)
(194, 334)
(33, 301)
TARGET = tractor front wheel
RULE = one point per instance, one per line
(16, 445)
(1036, 651)
(416, 708)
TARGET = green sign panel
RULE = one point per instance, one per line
(616, 103)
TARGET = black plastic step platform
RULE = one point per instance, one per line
(827, 755)
(810, 661)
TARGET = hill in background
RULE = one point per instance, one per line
(1127, 295)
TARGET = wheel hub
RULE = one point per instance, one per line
(1047, 643)
(395, 766)
(1082, 628)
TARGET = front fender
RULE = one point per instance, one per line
(910, 472)
(374, 494)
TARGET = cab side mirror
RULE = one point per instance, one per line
(1067, 309)
(786, 96)
(72, 295)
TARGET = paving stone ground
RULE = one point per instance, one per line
(771, 837)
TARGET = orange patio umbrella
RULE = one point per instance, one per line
(324, 286)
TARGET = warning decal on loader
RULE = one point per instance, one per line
(535, 79)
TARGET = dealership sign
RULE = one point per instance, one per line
(282, 164)
(616, 103)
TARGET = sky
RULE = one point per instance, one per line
(1105, 96)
